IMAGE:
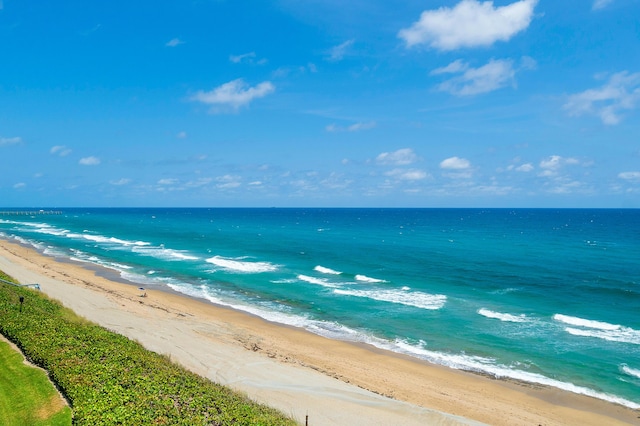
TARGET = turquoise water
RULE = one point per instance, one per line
(544, 296)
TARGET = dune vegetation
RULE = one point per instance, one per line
(109, 379)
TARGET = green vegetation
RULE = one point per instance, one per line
(27, 397)
(109, 379)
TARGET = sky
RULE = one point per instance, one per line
(320, 103)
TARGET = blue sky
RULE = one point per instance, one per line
(320, 103)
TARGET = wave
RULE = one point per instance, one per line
(580, 322)
(502, 317)
(240, 266)
(366, 279)
(319, 281)
(489, 366)
(416, 299)
(324, 270)
(623, 335)
(599, 330)
(159, 252)
(107, 240)
(630, 371)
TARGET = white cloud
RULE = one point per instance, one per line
(174, 42)
(621, 92)
(352, 128)
(632, 176)
(411, 174)
(228, 181)
(401, 157)
(552, 165)
(10, 141)
(601, 4)
(469, 24)
(337, 53)
(496, 74)
(453, 68)
(120, 182)
(247, 58)
(60, 150)
(236, 59)
(89, 161)
(20, 185)
(181, 135)
(167, 181)
(526, 168)
(455, 163)
(234, 94)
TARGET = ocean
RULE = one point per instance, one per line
(543, 296)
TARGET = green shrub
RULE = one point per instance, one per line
(109, 379)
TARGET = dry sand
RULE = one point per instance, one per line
(333, 382)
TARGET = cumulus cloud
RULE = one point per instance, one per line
(553, 164)
(167, 181)
(337, 53)
(409, 175)
(401, 157)
(356, 127)
(621, 92)
(494, 75)
(89, 161)
(601, 4)
(526, 168)
(455, 163)
(60, 150)
(234, 94)
(247, 58)
(10, 141)
(469, 24)
(228, 181)
(631, 176)
(174, 42)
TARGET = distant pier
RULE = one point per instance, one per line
(28, 212)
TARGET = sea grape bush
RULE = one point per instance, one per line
(109, 379)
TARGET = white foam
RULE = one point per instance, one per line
(162, 253)
(416, 299)
(580, 322)
(324, 270)
(366, 279)
(239, 266)
(630, 371)
(489, 366)
(107, 240)
(622, 335)
(502, 317)
(319, 281)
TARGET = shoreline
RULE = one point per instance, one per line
(290, 368)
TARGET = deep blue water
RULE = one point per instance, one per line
(544, 296)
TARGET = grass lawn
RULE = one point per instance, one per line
(27, 397)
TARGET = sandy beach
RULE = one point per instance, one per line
(302, 374)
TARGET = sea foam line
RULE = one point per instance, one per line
(488, 366)
(324, 270)
(599, 330)
(366, 279)
(580, 322)
(234, 265)
(318, 281)
(416, 299)
(630, 371)
(502, 317)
